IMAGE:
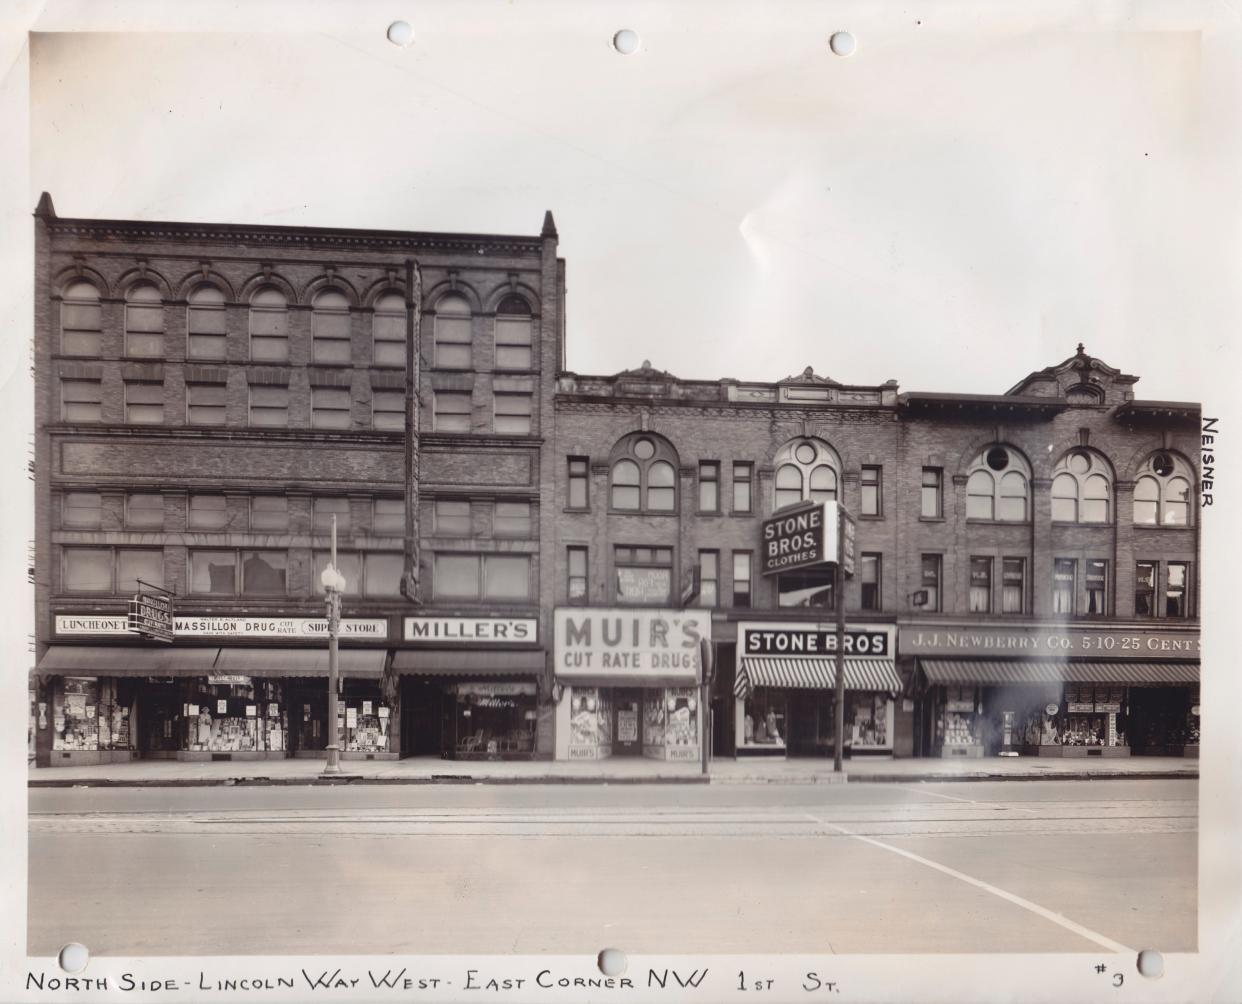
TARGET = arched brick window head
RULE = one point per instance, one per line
(1162, 491)
(806, 470)
(998, 487)
(643, 475)
(1082, 486)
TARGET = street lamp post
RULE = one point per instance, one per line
(333, 585)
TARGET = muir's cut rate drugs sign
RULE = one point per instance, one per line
(799, 537)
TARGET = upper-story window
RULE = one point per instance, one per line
(452, 332)
(806, 469)
(998, 485)
(388, 330)
(1162, 492)
(205, 323)
(330, 328)
(81, 323)
(144, 322)
(269, 326)
(1082, 486)
(513, 334)
(643, 475)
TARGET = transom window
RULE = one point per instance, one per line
(81, 510)
(806, 470)
(269, 326)
(388, 330)
(81, 325)
(144, 322)
(998, 485)
(330, 327)
(452, 332)
(643, 476)
(1081, 488)
(513, 334)
(205, 321)
(1162, 493)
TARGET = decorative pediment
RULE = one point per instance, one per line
(1082, 377)
(645, 372)
(809, 375)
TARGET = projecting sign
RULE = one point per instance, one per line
(461, 630)
(151, 616)
(799, 537)
(626, 643)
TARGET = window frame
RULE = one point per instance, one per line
(438, 415)
(658, 557)
(481, 560)
(503, 321)
(502, 417)
(198, 309)
(520, 534)
(320, 409)
(1102, 589)
(267, 308)
(65, 508)
(261, 390)
(573, 554)
(742, 586)
(131, 523)
(82, 383)
(210, 525)
(1061, 566)
(936, 474)
(1152, 593)
(388, 394)
(191, 407)
(1006, 584)
(980, 585)
(709, 484)
(138, 307)
(575, 476)
(325, 348)
(709, 556)
(876, 483)
(443, 346)
(1185, 613)
(92, 335)
(877, 559)
(143, 388)
(261, 524)
(934, 584)
(381, 313)
(743, 479)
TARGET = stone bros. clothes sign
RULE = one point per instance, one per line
(799, 537)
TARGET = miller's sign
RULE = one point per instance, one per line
(463, 630)
(628, 643)
(800, 537)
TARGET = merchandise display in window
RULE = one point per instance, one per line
(958, 730)
(495, 720)
(764, 721)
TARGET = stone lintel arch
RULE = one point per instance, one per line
(521, 289)
(1135, 464)
(982, 442)
(137, 276)
(432, 295)
(261, 279)
(67, 276)
(196, 278)
(334, 281)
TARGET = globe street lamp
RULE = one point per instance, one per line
(333, 583)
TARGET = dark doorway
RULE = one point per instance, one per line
(422, 714)
(626, 731)
(159, 720)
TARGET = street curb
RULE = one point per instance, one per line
(464, 779)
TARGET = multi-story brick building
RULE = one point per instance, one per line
(1026, 565)
(208, 398)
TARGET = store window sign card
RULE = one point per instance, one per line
(251, 711)
(222, 707)
(351, 718)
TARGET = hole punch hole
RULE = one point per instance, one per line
(73, 957)
(400, 34)
(626, 41)
(1150, 964)
(842, 43)
(611, 962)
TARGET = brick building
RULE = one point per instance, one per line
(208, 398)
(1026, 565)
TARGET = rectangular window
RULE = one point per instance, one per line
(1177, 589)
(1013, 586)
(743, 498)
(513, 349)
(133, 564)
(741, 578)
(348, 563)
(513, 414)
(511, 519)
(144, 511)
(813, 588)
(144, 402)
(87, 570)
(269, 328)
(81, 321)
(330, 336)
(644, 575)
(388, 334)
(81, 510)
(1145, 588)
(388, 410)
(452, 411)
(980, 585)
(324, 509)
(1095, 581)
(1064, 585)
(264, 572)
(576, 570)
(372, 574)
(452, 518)
(206, 329)
(388, 517)
(269, 406)
(487, 577)
(870, 483)
(930, 579)
(213, 572)
(870, 567)
(206, 403)
(931, 506)
(81, 401)
(144, 327)
(329, 408)
(453, 339)
(578, 481)
(709, 486)
(270, 512)
(208, 512)
(709, 578)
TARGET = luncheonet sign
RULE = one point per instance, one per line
(799, 537)
(630, 642)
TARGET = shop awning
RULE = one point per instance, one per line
(482, 662)
(1002, 671)
(127, 660)
(354, 662)
(814, 674)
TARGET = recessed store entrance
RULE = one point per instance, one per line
(627, 710)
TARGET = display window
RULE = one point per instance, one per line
(590, 723)
(498, 719)
(867, 720)
(958, 723)
(75, 714)
(766, 712)
(222, 717)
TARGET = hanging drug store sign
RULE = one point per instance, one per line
(799, 537)
(627, 643)
(230, 627)
(152, 616)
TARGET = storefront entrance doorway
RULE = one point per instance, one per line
(159, 720)
(423, 710)
(627, 706)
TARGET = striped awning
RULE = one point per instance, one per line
(1002, 671)
(814, 674)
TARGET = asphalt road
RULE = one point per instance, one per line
(1057, 866)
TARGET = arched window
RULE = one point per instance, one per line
(81, 326)
(452, 332)
(205, 323)
(806, 470)
(144, 322)
(1082, 487)
(998, 486)
(643, 475)
(388, 330)
(1162, 493)
(269, 326)
(513, 334)
(330, 328)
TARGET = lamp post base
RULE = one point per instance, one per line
(333, 764)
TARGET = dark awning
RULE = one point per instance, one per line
(1001, 671)
(127, 660)
(467, 662)
(358, 662)
(814, 674)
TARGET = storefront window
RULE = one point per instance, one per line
(764, 722)
(811, 588)
(866, 721)
(957, 724)
(75, 715)
(681, 726)
(495, 719)
(223, 716)
(367, 719)
(590, 723)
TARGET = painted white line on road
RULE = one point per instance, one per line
(925, 791)
(1026, 904)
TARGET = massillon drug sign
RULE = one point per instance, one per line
(799, 537)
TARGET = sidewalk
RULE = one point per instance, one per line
(427, 770)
